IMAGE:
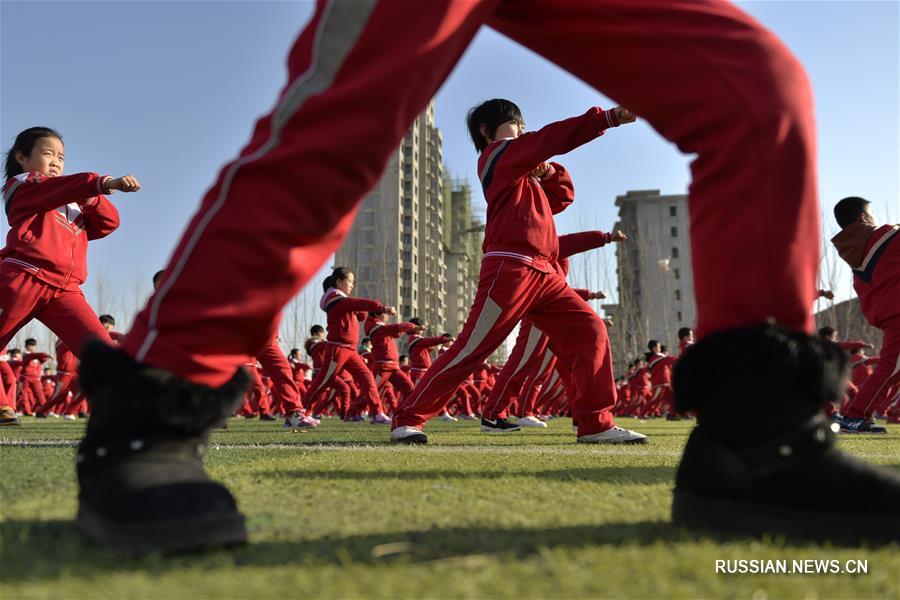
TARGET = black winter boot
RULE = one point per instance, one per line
(140, 464)
(782, 475)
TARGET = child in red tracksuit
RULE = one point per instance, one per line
(518, 274)
(384, 361)
(344, 314)
(7, 392)
(420, 349)
(51, 217)
(873, 253)
(32, 386)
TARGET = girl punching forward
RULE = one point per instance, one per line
(344, 314)
(52, 217)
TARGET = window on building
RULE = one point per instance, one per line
(673, 211)
(677, 274)
(674, 232)
(679, 316)
(678, 294)
(674, 252)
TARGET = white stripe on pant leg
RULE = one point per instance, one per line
(329, 375)
(488, 316)
(533, 337)
(547, 357)
(478, 331)
(341, 25)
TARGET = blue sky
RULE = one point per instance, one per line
(169, 91)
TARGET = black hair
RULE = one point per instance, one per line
(684, 332)
(338, 274)
(652, 343)
(663, 348)
(447, 335)
(402, 356)
(31, 342)
(316, 330)
(294, 351)
(24, 143)
(416, 321)
(856, 351)
(157, 276)
(648, 356)
(14, 351)
(366, 340)
(375, 313)
(848, 210)
(107, 319)
(826, 332)
(493, 114)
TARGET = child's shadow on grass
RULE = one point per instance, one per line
(34, 551)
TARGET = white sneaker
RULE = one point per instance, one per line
(448, 417)
(408, 435)
(530, 422)
(614, 435)
(69, 417)
(297, 422)
(53, 414)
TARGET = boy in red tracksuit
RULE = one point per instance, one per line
(420, 349)
(685, 339)
(660, 367)
(344, 314)
(519, 275)
(66, 380)
(33, 366)
(384, 360)
(873, 253)
(51, 217)
(338, 391)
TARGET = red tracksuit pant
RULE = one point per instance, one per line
(530, 342)
(285, 395)
(393, 376)
(66, 313)
(59, 402)
(535, 381)
(359, 75)
(508, 291)
(337, 358)
(874, 395)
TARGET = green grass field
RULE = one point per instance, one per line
(340, 513)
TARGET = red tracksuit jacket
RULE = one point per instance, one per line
(661, 369)
(33, 362)
(874, 255)
(51, 220)
(344, 314)
(521, 207)
(384, 349)
(66, 363)
(420, 350)
(861, 369)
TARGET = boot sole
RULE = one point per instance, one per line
(166, 536)
(616, 443)
(489, 430)
(751, 519)
(411, 439)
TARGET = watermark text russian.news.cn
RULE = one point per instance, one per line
(808, 566)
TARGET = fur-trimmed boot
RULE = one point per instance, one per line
(780, 474)
(140, 464)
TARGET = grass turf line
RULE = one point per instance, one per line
(339, 513)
